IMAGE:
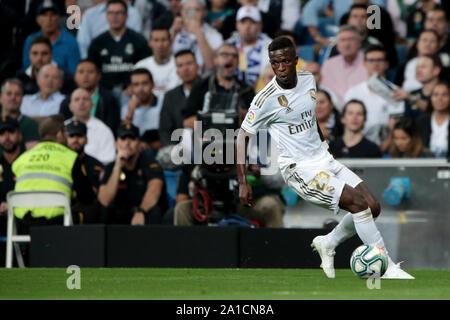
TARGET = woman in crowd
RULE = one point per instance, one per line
(406, 141)
(434, 125)
(327, 116)
(427, 44)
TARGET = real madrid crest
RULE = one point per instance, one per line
(129, 49)
(312, 93)
(283, 101)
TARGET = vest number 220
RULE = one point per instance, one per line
(39, 157)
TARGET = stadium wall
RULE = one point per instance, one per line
(178, 247)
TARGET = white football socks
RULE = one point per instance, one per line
(343, 231)
(366, 228)
(367, 231)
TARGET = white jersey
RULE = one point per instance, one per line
(164, 76)
(290, 115)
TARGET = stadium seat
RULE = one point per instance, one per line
(30, 199)
(306, 52)
(171, 178)
(322, 55)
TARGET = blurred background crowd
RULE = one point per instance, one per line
(111, 81)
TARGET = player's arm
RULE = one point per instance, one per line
(320, 132)
(245, 191)
(324, 143)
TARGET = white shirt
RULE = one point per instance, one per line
(101, 143)
(164, 76)
(290, 115)
(439, 137)
(410, 83)
(34, 106)
(376, 107)
(145, 118)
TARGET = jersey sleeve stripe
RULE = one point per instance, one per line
(263, 93)
(259, 105)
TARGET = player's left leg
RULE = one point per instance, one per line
(363, 224)
(394, 271)
(366, 228)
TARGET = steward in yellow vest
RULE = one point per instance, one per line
(47, 166)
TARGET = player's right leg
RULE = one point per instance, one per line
(354, 201)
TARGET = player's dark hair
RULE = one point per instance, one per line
(183, 52)
(142, 71)
(41, 39)
(87, 60)
(283, 32)
(281, 43)
(122, 2)
(373, 48)
(344, 110)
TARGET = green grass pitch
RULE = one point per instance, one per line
(216, 284)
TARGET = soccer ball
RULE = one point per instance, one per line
(368, 260)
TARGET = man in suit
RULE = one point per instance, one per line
(171, 117)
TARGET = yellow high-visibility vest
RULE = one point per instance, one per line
(46, 167)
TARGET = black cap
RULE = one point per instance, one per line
(8, 123)
(75, 127)
(128, 130)
(46, 6)
(150, 136)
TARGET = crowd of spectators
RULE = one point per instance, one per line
(134, 71)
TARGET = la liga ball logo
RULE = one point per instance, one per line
(250, 116)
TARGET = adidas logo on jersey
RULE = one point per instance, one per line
(284, 103)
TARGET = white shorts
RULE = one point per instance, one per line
(319, 182)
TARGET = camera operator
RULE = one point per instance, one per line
(224, 80)
(220, 102)
(220, 93)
